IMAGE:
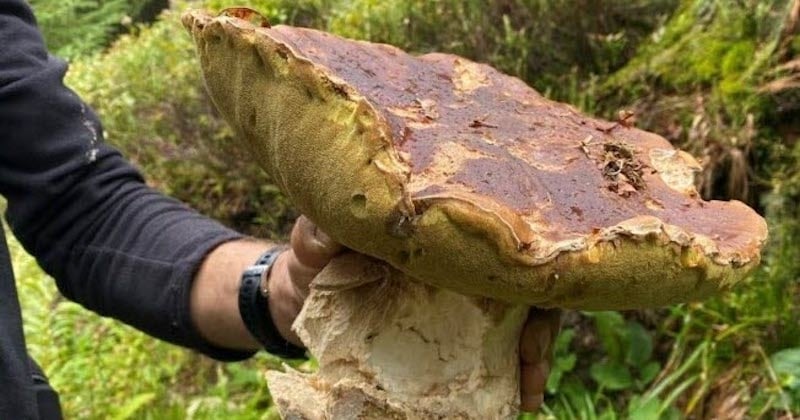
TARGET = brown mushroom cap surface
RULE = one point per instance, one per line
(468, 179)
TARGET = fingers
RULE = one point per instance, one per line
(536, 348)
(533, 378)
(312, 247)
(311, 251)
(538, 334)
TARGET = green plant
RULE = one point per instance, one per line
(73, 28)
(702, 80)
(617, 376)
(629, 349)
(785, 366)
(563, 360)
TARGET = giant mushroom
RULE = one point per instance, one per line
(470, 198)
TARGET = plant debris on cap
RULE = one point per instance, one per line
(468, 179)
(623, 169)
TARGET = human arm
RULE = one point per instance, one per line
(112, 243)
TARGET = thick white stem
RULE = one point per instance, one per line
(392, 348)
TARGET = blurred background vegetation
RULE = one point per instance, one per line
(719, 78)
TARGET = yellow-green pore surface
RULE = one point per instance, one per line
(468, 179)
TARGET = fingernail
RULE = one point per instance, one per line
(322, 236)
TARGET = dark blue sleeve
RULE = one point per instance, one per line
(113, 244)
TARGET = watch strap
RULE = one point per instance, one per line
(254, 308)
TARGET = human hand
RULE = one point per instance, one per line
(311, 250)
(536, 354)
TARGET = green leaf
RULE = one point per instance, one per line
(608, 325)
(572, 393)
(671, 413)
(566, 363)
(611, 375)
(640, 345)
(553, 380)
(562, 365)
(786, 364)
(563, 341)
(649, 372)
(564, 360)
(644, 408)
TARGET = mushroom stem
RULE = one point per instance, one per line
(392, 348)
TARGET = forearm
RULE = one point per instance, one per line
(112, 244)
(135, 261)
(214, 296)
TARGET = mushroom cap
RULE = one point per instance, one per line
(468, 179)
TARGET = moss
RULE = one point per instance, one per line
(703, 61)
(704, 43)
(738, 57)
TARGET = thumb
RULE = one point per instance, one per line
(311, 251)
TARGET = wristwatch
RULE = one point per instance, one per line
(254, 307)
